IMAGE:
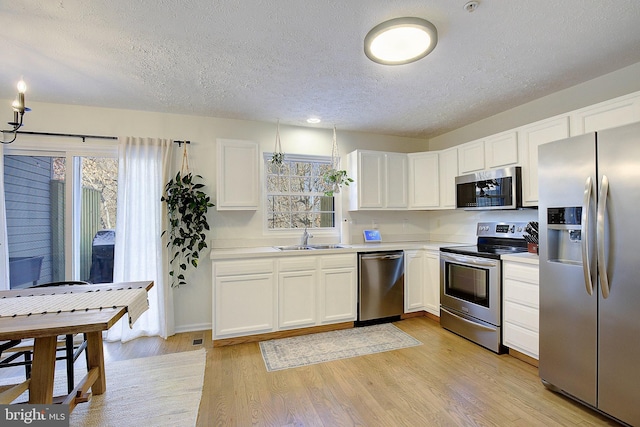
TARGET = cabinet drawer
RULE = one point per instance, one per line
(521, 315)
(521, 339)
(338, 261)
(521, 292)
(298, 263)
(524, 272)
(232, 268)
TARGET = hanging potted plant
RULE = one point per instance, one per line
(335, 177)
(187, 206)
(277, 159)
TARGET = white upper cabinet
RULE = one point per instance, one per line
(471, 157)
(380, 180)
(496, 151)
(424, 188)
(369, 176)
(448, 170)
(531, 137)
(432, 178)
(501, 150)
(615, 112)
(396, 182)
(238, 175)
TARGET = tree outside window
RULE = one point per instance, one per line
(295, 193)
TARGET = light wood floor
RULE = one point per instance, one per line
(447, 381)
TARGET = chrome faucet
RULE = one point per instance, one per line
(304, 240)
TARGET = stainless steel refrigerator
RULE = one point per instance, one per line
(589, 211)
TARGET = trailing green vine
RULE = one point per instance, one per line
(187, 206)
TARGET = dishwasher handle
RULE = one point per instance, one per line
(382, 256)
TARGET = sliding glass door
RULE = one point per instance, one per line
(61, 213)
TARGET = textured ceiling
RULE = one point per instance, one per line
(291, 59)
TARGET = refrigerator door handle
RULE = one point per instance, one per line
(586, 260)
(602, 210)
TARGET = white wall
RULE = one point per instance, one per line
(459, 226)
(193, 302)
(600, 89)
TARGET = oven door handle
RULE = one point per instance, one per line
(475, 325)
(483, 262)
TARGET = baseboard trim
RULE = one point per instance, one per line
(193, 328)
(297, 332)
(421, 314)
(525, 358)
(281, 334)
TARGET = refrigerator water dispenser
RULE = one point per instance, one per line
(564, 235)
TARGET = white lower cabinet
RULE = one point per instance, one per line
(432, 282)
(243, 298)
(422, 281)
(297, 288)
(414, 280)
(256, 296)
(338, 289)
(521, 307)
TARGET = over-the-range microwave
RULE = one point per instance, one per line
(492, 189)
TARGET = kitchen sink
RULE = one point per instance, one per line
(308, 247)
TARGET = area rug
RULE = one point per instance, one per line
(322, 347)
(150, 391)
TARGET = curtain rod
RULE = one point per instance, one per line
(69, 135)
(78, 135)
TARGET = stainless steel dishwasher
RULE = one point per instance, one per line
(380, 286)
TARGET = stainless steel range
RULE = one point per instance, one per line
(471, 283)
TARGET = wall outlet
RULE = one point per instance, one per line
(374, 224)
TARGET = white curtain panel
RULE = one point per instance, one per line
(144, 165)
(4, 244)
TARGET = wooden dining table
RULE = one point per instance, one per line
(45, 329)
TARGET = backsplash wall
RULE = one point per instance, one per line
(459, 226)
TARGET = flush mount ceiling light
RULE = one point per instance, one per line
(313, 120)
(400, 41)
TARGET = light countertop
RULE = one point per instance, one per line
(525, 257)
(273, 251)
